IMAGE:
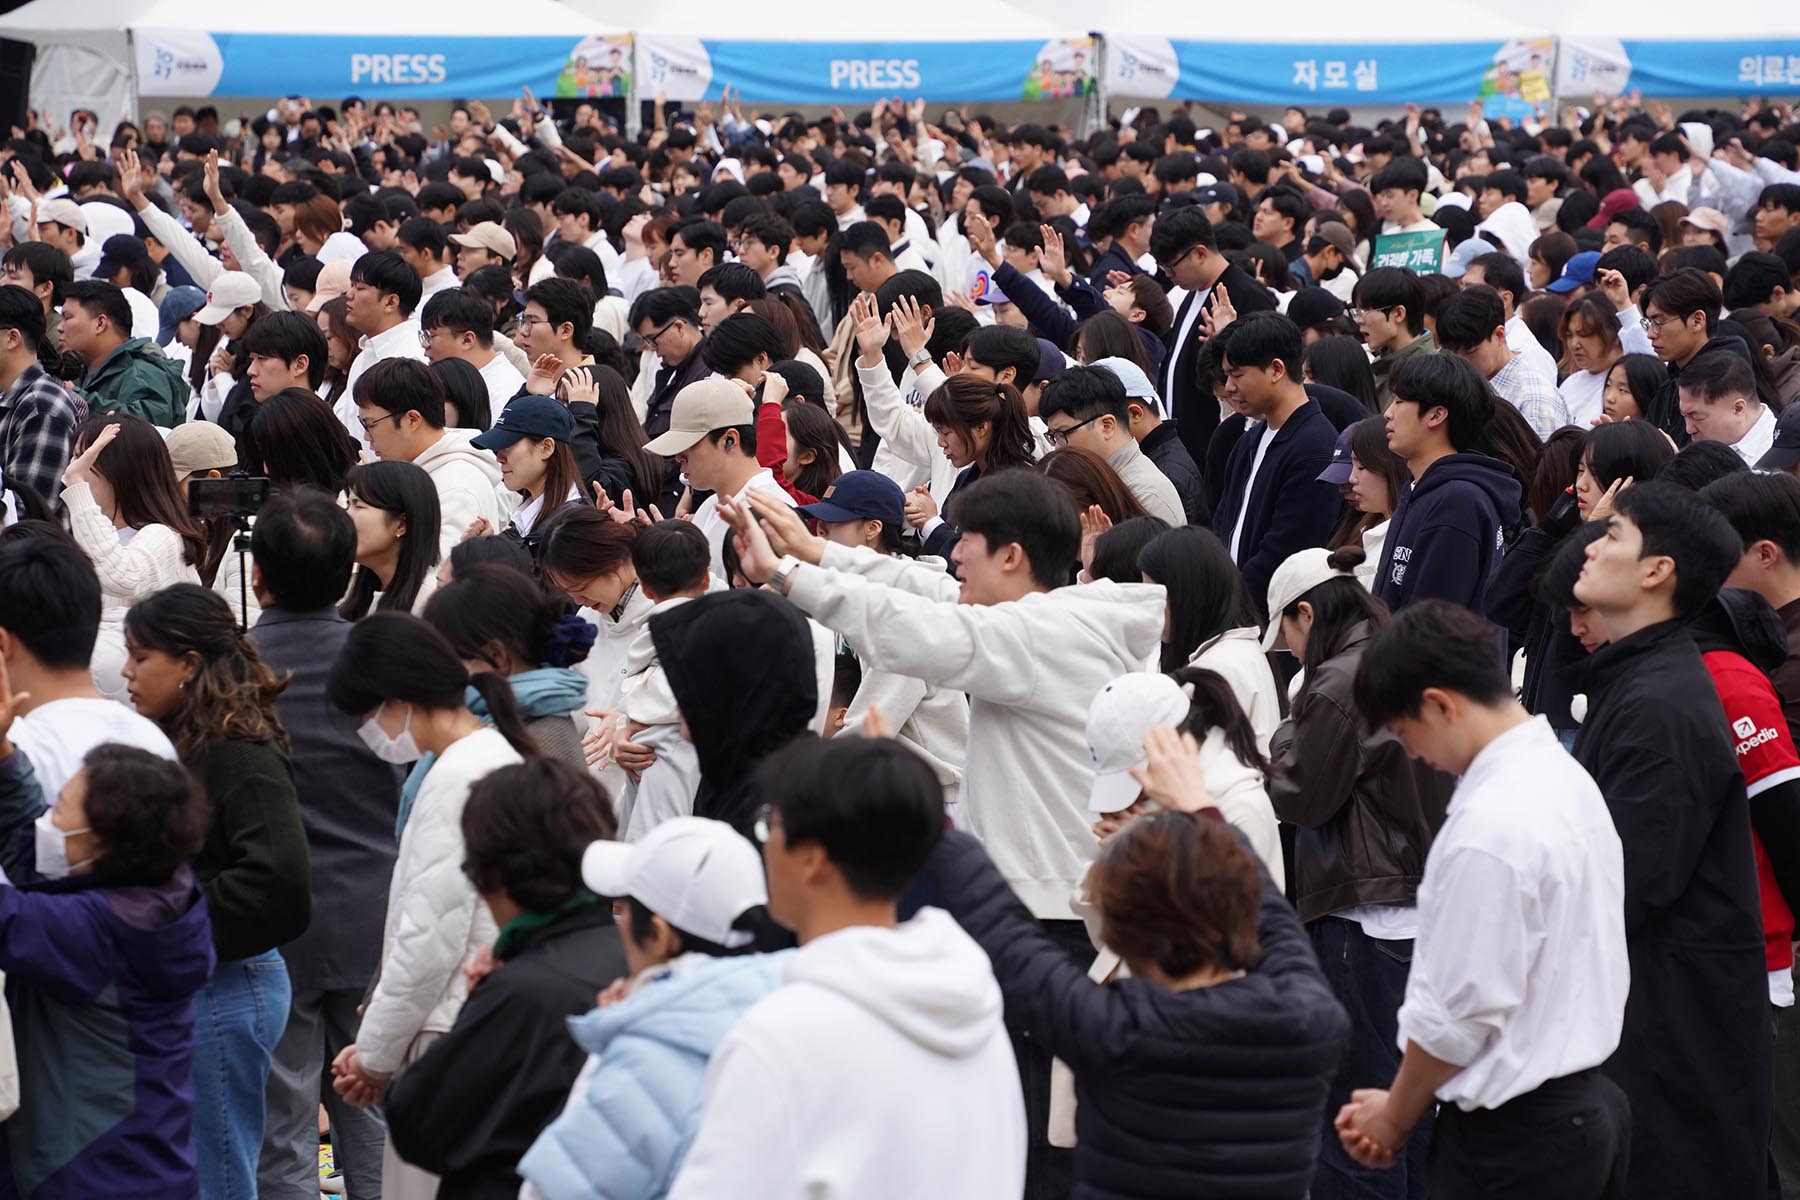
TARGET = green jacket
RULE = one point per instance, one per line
(138, 378)
(1383, 365)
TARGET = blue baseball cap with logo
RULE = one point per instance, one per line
(1577, 272)
(527, 417)
(860, 496)
(1338, 469)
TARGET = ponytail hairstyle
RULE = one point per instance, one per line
(499, 615)
(814, 429)
(396, 656)
(1339, 604)
(962, 402)
(1213, 705)
(232, 695)
(406, 491)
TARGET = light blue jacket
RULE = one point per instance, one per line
(625, 1139)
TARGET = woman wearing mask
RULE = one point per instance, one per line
(531, 441)
(1211, 621)
(395, 508)
(655, 1030)
(194, 674)
(405, 683)
(471, 1105)
(1366, 815)
(500, 620)
(1589, 330)
(106, 948)
(128, 517)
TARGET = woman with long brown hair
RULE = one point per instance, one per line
(1372, 480)
(532, 443)
(127, 516)
(982, 427)
(191, 671)
(614, 434)
(1091, 483)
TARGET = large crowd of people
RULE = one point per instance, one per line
(871, 656)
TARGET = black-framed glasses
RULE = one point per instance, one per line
(1060, 437)
(369, 425)
(648, 340)
(1169, 267)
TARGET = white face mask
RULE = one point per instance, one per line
(53, 848)
(397, 750)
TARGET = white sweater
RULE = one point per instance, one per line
(468, 485)
(906, 435)
(1030, 667)
(435, 922)
(131, 565)
(832, 1086)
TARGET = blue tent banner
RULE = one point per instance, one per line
(378, 66)
(1737, 67)
(1511, 78)
(690, 69)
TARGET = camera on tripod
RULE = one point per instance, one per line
(236, 497)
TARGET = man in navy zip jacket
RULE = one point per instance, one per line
(1273, 503)
(1447, 532)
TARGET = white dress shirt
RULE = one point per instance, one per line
(1519, 972)
(402, 341)
(1758, 438)
(503, 383)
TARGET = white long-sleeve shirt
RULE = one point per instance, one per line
(1519, 971)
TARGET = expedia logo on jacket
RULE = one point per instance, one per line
(1750, 736)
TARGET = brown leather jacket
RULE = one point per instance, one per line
(1366, 812)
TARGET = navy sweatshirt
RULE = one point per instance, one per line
(1448, 532)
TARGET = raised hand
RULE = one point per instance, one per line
(785, 528)
(1094, 522)
(756, 556)
(1172, 775)
(12, 704)
(1054, 261)
(82, 469)
(981, 237)
(545, 370)
(910, 326)
(578, 386)
(871, 328)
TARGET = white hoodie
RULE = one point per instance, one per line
(1030, 667)
(468, 486)
(835, 1085)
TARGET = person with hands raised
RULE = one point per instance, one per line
(239, 249)
(909, 450)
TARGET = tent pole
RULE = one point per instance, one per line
(1094, 112)
(634, 117)
(131, 73)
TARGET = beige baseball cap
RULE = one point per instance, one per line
(231, 291)
(490, 236)
(62, 211)
(196, 446)
(333, 281)
(701, 407)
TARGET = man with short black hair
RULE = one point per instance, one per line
(1184, 247)
(1503, 273)
(1397, 188)
(422, 242)
(1681, 315)
(694, 249)
(666, 322)
(124, 374)
(868, 256)
(400, 407)
(1449, 527)
(1048, 188)
(843, 191)
(1273, 502)
(38, 413)
(459, 324)
(1390, 314)
(1519, 971)
(1760, 280)
(874, 1012)
(763, 245)
(286, 350)
(1472, 325)
(1719, 404)
(44, 271)
(1655, 741)
(1777, 214)
(1086, 407)
(1279, 219)
(384, 291)
(303, 551)
(726, 289)
(1130, 220)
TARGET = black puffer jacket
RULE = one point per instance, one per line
(1216, 1092)
(740, 664)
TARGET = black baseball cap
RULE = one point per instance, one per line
(527, 417)
(1784, 454)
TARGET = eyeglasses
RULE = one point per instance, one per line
(527, 320)
(1655, 324)
(1169, 267)
(1357, 314)
(648, 339)
(368, 424)
(1060, 437)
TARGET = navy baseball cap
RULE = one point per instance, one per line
(177, 306)
(1216, 193)
(1579, 270)
(1337, 471)
(527, 417)
(860, 496)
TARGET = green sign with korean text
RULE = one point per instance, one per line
(1422, 252)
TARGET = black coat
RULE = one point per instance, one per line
(1287, 509)
(1694, 1055)
(473, 1103)
(1553, 655)
(1216, 1092)
(1163, 447)
(1189, 403)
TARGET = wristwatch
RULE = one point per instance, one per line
(784, 570)
(920, 357)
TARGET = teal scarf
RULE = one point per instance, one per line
(545, 692)
(528, 923)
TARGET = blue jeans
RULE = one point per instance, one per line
(237, 1021)
(1368, 976)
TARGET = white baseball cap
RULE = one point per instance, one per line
(1303, 571)
(1121, 713)
(229, 292)
(698, 875)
